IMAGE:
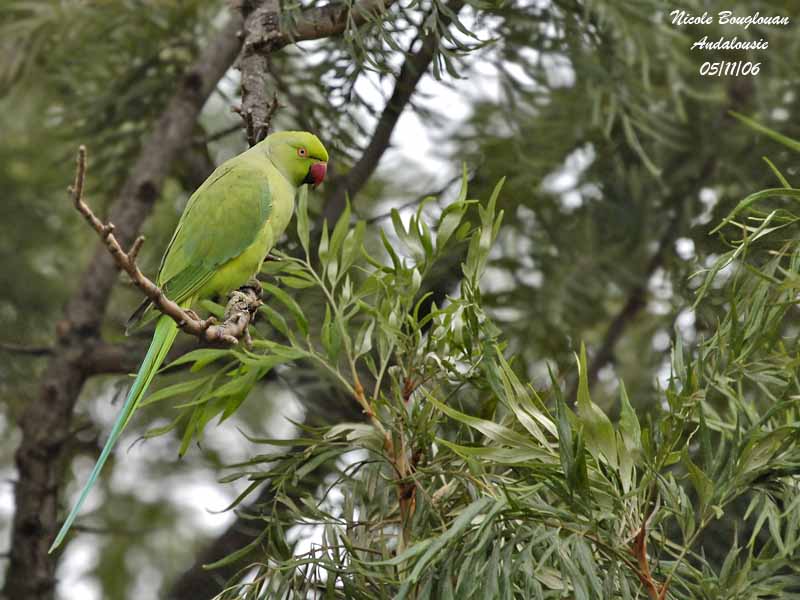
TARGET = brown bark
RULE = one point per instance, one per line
(45, 423)
(263, 35)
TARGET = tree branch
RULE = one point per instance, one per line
(637, 297)
(24, 349)
(107, 358)
(332, 19)
(102, 358)
(414, 68)
(257, 130)
(45, 423)
(635, 302)
(264, 34)
(242, 305)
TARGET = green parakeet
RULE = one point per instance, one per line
(227, 228)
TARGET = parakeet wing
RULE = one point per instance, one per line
(220, 222)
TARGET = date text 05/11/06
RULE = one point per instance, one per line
(725, 68)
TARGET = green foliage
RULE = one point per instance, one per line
(466, 482)
(600, 91)
(616, 151)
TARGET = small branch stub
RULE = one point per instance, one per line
(639, 551)
(256, 132)
(242, 303)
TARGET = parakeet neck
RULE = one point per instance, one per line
(266, 149)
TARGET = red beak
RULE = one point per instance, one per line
(317, 173)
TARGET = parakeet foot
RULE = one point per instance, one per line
(255, 285)
(206, 323)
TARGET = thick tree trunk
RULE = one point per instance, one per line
(46, 421)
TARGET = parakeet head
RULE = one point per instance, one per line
(299, 155)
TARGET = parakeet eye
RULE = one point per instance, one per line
(302, 152)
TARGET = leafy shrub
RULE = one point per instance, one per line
(464, 481)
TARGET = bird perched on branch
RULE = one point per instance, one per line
(227, 229)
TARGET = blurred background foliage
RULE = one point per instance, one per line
(619, 159)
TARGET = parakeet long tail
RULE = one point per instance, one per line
(164, 336)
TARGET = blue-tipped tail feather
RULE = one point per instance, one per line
(164, 336)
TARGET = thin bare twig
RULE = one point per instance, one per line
(23, 349)
(414, 202)
(242, 303)
(217, 135)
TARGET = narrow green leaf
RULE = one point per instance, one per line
(456, 529)
(352, 245)
(340, 231)
(392, 254)
(494, 454)
(494, 431)
(598, 430)
(448, 223)
(200, 357)
(565, 443)
(324, 242)
(275, 319)
(784, 182)
(778, 137)
(290, 303)
(700, 481)
(173, 390)
(629, 427)
(297, 283)
(302, 218)
(157, 431)
(793, 194)
(238, 554)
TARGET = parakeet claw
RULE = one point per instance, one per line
(192, 314)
